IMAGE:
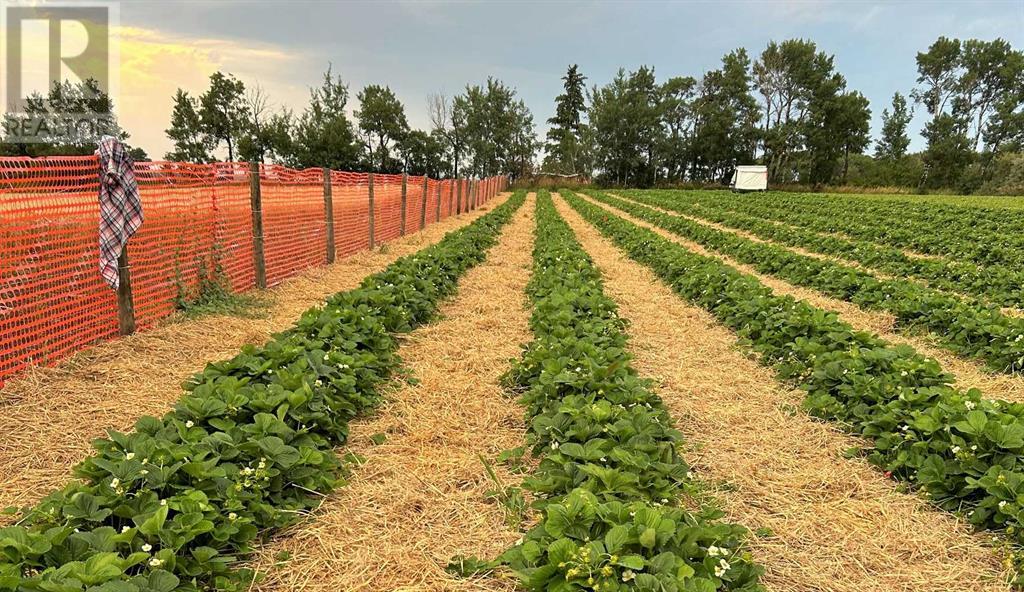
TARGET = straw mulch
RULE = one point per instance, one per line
(48, 416)
(836, 524)
(420, 499)
(969, 373)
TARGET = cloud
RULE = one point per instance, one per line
(154, 64)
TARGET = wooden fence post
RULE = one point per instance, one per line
(451, 197)
(423, 206)
(125, 300)
(405, 182)
(329, 214)
(370, 189)
(256, 200)
(458, 201)
(437, 217)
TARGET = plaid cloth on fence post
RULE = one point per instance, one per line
(120, 208)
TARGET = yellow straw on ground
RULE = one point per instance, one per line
(420, 498)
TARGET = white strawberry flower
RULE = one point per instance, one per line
(722, 567)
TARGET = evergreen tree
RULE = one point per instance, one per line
(565, 149)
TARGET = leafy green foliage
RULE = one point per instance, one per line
(994, 283)
(962, 325)
(174, 504)
(609, 474)
(213, 296)
(893, 143)
(495, 130)
(381, 121)
(962, 451)
(510, 497)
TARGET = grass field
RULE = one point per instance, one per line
(570, 390)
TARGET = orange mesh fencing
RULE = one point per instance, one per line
(351, 211)
(52, 299)
(198, 223)
(431, 211)
(387, 205)
(294, 221)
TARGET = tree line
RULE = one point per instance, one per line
(791, 110)
(485, 130)
(788, 108)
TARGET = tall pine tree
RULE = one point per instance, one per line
(566, 152)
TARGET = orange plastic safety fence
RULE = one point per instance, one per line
(351, 211)
(431, 211)
(294, 221)
(181, 204)
(387, 204)
(198, 225)
(52, 299)
(414, 206)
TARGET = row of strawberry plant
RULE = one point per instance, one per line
(994, 283)
(610, 475)
(964, 452)
(958, 238)
(965, 326)
(176, 503)
(936, 214)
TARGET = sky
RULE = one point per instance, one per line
(423, 47)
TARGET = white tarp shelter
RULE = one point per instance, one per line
(750, 177)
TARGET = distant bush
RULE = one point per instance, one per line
(1007, 177)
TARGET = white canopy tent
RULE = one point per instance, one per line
(750, 177)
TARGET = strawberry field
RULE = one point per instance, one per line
(586, 389)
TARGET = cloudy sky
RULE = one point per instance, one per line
(423, 47)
